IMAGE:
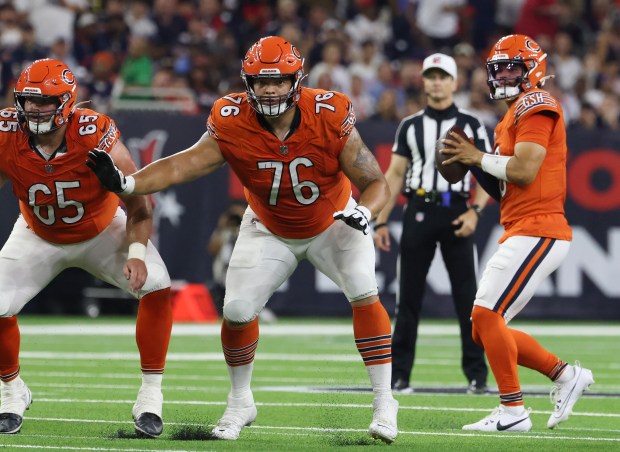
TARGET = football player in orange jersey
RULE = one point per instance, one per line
(296, 151)
(527, 173)
(68, 219)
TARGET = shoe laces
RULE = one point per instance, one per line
(555, 393)
(495, 414)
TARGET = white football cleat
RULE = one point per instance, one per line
(565, 395)
(15, 398)
(147, 412)
(502, 421)
(384, 424)
(239, 413)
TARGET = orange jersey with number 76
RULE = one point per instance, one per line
(295, 185)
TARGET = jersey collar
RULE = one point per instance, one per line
(294, 124)
(449, 112)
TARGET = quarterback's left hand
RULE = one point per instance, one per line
(358, 218)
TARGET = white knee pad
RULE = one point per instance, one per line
(239, 311)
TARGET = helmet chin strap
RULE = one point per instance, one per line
(545, 78)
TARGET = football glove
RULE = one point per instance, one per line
(358, 218)
(104, 168)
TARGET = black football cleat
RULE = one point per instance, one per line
(401, 386)
(10, 423)
(477, 387)
(148, 425)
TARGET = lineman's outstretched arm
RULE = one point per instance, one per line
(202, 158)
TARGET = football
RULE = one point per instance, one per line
(455, 172)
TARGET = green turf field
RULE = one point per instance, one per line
(309, 384)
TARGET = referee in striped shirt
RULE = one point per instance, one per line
(437, 212)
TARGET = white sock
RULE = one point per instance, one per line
(381, 380)
(567, 374)
(16, 382)
(152, 380)
(240, 379)
(516, 410)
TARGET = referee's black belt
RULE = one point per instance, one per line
(438, 198)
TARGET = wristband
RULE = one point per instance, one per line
(136, 251)
(476, 208)
(380, 225)
(495, 165)
(130, 185)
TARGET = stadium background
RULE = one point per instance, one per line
(187, 54)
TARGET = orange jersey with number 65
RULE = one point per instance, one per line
(536, 209)
(61, 199)
(295, 185)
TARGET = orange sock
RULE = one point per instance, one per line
(501, 349)
(373, 333)
(153, 327)
(533, 356)
(9, 348)
(239, 344)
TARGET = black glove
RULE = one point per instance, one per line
(109, 175)
(358, 218)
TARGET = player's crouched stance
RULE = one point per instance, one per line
(526, 173)
(297, 152)
(69, 220)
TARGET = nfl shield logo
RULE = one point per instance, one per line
(283, 150)
(49, 168)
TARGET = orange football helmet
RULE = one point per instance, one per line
(49, 81)
(273, 57)
(510, 53)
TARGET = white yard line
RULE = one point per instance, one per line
(317, 329)
(286, 430)
(287, 405)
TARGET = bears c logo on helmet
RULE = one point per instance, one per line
(531, 45)
(68, 77)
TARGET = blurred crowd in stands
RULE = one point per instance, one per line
(371, 50)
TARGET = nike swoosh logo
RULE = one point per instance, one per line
(501, 427)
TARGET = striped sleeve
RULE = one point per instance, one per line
(535, 102)
(401, 147)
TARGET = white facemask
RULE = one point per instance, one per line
(272, 110)
(506, 92)
(39, 128)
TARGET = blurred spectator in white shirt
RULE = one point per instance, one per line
(367, 61)
(568, 68)
(363, 103)
(331, 64)
(139, 20)
(373, 22)
(439, 21)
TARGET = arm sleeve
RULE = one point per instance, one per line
(488, 182)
